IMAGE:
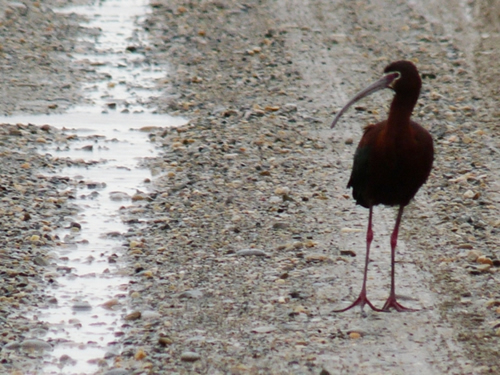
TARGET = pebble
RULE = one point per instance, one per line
(12, 346)
(140, 355)
(118, 371)
(119, 196)
(111, 304)
(133, 316)
(35, 344)
(354, 335)
(81, 306)
(150, 315)
(195, 293)
(317, 258)
(484, 260)
(473, 255)
(251, 252)
(40, 261)
(165, 341)
(264, 329)
(469, 194)
(190, 357)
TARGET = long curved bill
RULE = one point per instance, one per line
(382, 83)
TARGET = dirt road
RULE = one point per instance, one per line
(258, 168)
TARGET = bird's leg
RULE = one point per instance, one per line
(362, 300)
(391, 301)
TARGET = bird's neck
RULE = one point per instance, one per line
(400, 111)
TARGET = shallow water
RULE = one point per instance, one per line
(88, 263)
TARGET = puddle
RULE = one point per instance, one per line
(83, 330)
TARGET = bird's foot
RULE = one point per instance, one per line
(392, 302)
(361, 301)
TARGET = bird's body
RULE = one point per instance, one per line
(392, 161)
(390, 165)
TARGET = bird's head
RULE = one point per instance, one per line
(400, 76)
(406, 78)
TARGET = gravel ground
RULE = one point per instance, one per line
(249, 238)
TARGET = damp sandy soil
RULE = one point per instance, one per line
(251, 238)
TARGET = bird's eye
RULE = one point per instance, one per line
(398, 77)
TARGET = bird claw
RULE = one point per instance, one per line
(361, 301)
(391, 302)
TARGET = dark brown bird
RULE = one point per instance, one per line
(392, 161)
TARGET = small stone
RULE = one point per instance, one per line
(250, 252)
(35, 344)
(473, 255)
(195, 294)
(52, 300)
(484, 267)
(469, 194)
(348, 253)
(140, 355)
(350, 230)
(81, 306)
(290, 107)
(280, 225)
(134, 244)
(109, 305)
(477, 270)
(165, 341)
(12, 346)
(119, 196)
(148, 274)
(354, 335)
(75, 225)
(317, 258)
(117, 371)
(39, 261)
(493, 303)
(135, 294)
(484, 260)
(264, 329)
(133, 316)
(139, 197)
(283, 190)
(190, 357)
(66, 359)
(150, 315)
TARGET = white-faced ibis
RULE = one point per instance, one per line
(393, 159)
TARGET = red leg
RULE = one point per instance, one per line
(362, 300)
(391, 301)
